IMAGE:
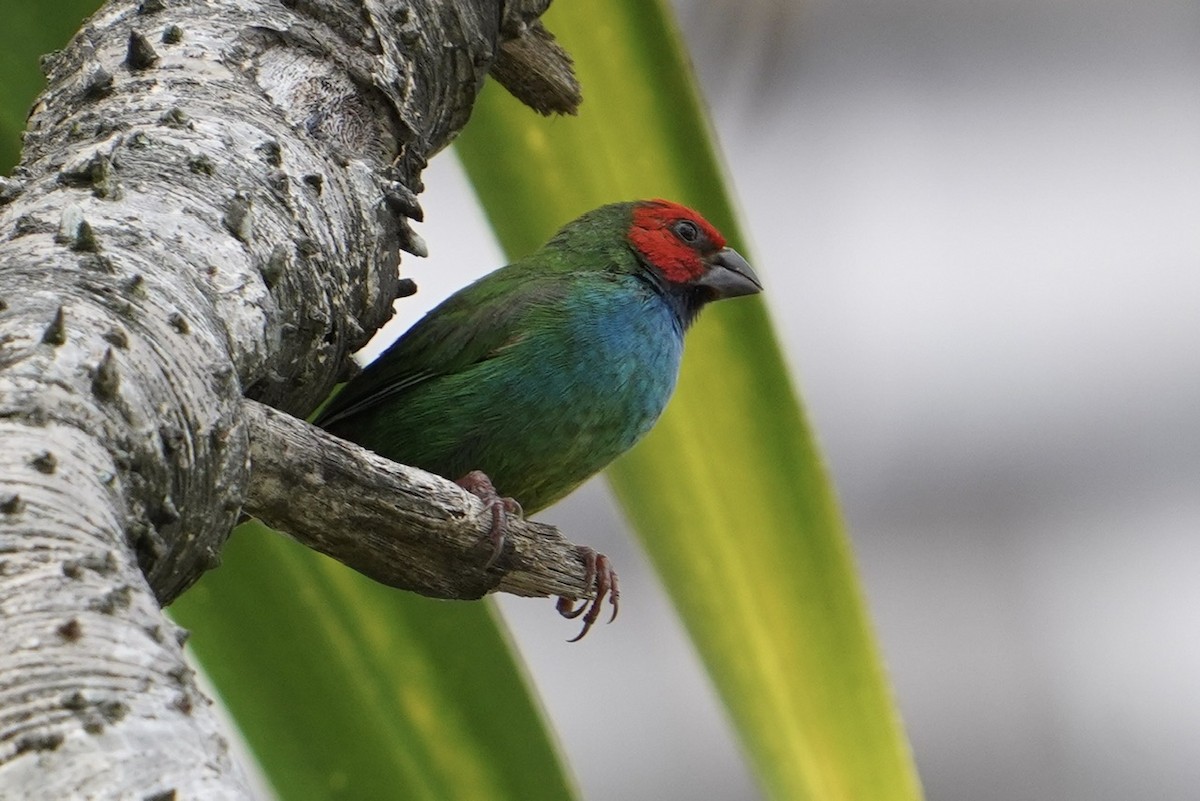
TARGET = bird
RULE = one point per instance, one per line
(533, 378)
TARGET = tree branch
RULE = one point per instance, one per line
(401, 526)
(535, 69)
(210, 204)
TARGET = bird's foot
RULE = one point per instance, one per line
(478, 484)
(600, 571)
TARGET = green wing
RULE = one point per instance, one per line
(471, 326)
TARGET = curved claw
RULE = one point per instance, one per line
(478, 484)
(600, 571)
(566, 607)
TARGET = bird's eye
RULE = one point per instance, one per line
(687, 230)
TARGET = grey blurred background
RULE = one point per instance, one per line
(979, 225)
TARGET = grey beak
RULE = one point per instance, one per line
(729, 276)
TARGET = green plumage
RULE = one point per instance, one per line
(539, 374)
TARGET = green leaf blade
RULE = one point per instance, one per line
(728, 493)
(345, 688)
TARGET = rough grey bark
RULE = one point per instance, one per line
(401, 526)
(208, 209)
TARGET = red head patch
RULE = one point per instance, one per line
(673, 238)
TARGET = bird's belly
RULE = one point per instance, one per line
(598, 411)
(588, 398)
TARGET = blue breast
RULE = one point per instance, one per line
(601, 376)
(629, 344)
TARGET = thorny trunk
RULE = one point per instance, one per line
(208, 208)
